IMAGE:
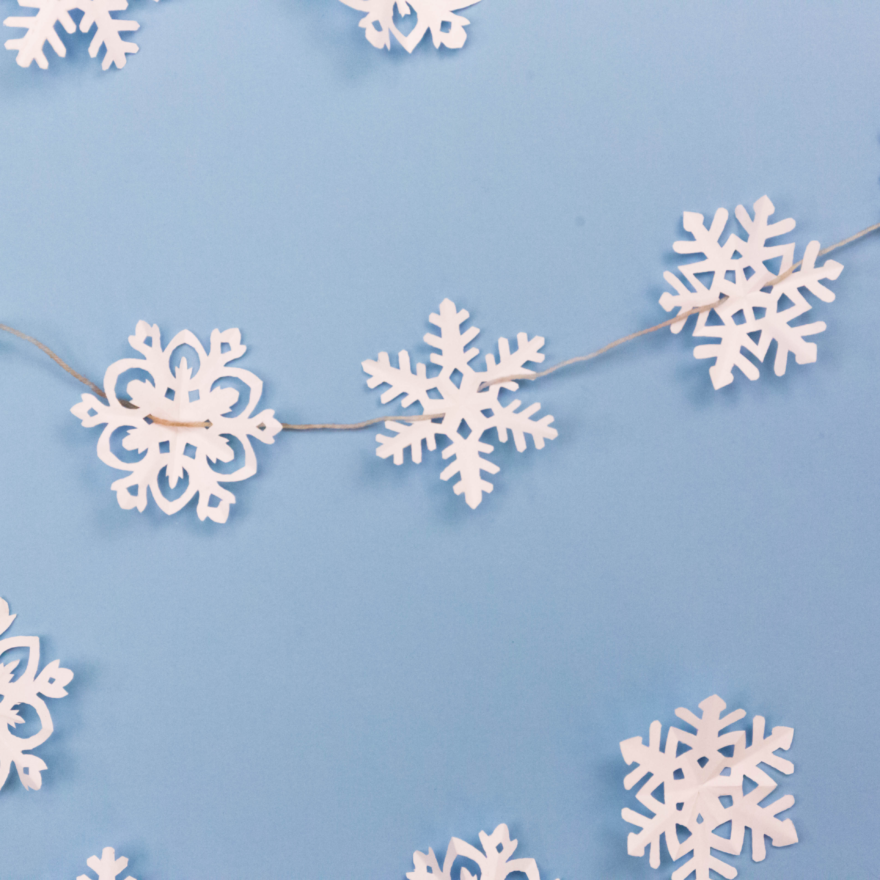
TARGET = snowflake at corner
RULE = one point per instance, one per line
(494, 862)
(464, 412)
(703, 777)
(753, 312)
(108, 867)
(184, 394)
(43, 27)
(437, 16)
(25, 687)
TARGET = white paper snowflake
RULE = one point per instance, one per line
(42, 28)
(464, 412)
(703, 778)
(108, 867)
(437, 16)
(751, 315)
(494, 862)
(27, 688)
(180, 395)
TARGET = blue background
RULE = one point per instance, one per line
(357, 665)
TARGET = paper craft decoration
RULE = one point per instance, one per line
(704, 781)
(437, 16)
(751, 315)
(108, 867)
(181, 395)
(25, 688)
(494, 862)
(464, 412)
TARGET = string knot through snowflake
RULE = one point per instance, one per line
(25, 687)
(756, 309)
(704, 782)
(180, 395)
(464, 410)
(494, 862)
(437, 16)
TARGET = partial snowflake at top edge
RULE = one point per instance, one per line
(754, 311)
(43, 27)
(435, 16)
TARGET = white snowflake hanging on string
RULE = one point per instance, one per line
(703, 777)
(180, 395)
(464, 412)
(108, 867)
(25, 688)
(437, 16)
(752, 313)
(494, 862)
(42, 27)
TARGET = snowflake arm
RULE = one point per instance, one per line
(180, 395)
(465, 405)
(108, 867)
(431, 15)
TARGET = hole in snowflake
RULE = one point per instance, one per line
(377, 27)
(703, 761)
(117, 438)
(236, 459)
(194, 395)
(30, 722)
(682, 748)
(755, 336)
(464, 430)
(705, 278)
(679, 774)
(189, 450)
(169, 492)
(748, 272)
(133, 383)
(236, 395)
(759, 312)
(225, 348)
(680, 806)
(133, 490)
(774, 265)
(660, 793)
(170, 393)
(713, 319)
(456, 377)
(730, 275)
(748, 785)
(214, 501)
(727, 751)
(682, 832)
(499, 847)
(725, 772)
(725, 800)
(724, 830)
(404, 23)
(434, 394)
(784, 303)
(488, 413)
(446, 28)
(739, 317)
(699, 818)
(92, 412)
(165, 447)
(184, 361)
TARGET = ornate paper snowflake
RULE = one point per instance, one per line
(698, 783)
(180, 396)
(108, 867)
(41, 27)
(752, 313)
(494, 861)
(25, 689)
(437, 16)
(464, 412)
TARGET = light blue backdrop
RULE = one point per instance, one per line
(356, 665)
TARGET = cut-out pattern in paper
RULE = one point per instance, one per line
(437, 16)
(180, 395)
(42, 27)
(108, 867)
(494, 862)
(464, 412)
(708, 786)
(24, 687)
(753, 313)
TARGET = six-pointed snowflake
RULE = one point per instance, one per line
(180, 395)
(464, 412)
(703, 778)
(752, 313)
(437, 16)
(42, 28)
(27, 688)
(108, 867)
(494, 862)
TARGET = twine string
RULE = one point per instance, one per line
(357, 426)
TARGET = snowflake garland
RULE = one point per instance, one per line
(494, 862)
(465, 412)
(703, 778)
(437, 16)
(42, 28)
(180, 395)
(28, 689)
(108, 867)
(750, 316)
